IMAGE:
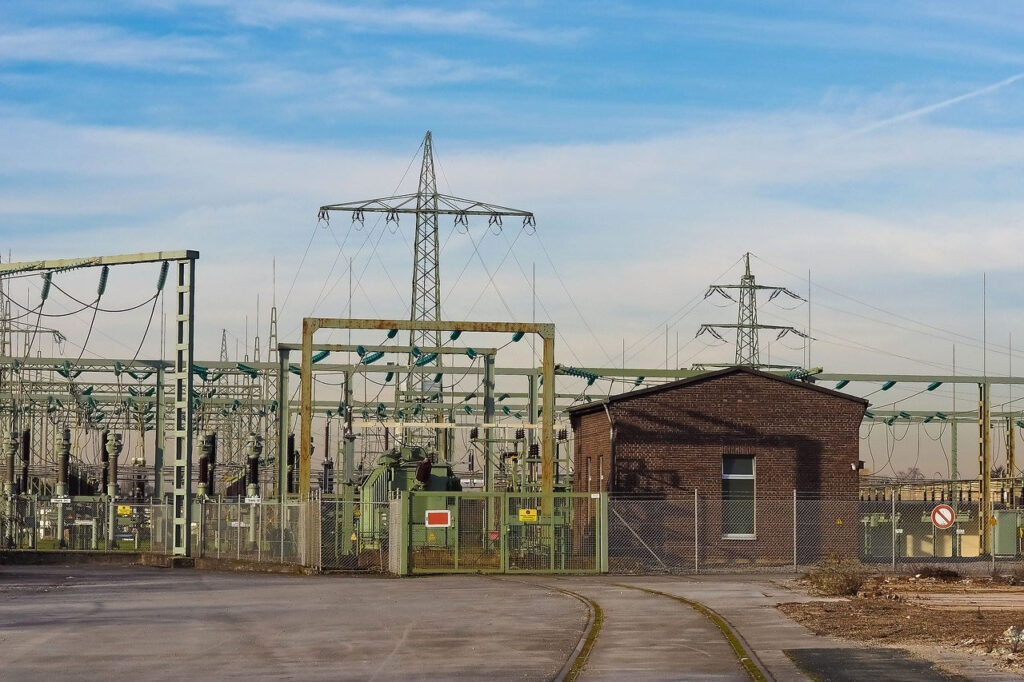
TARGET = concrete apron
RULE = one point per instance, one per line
(749, 604)
(647, 637)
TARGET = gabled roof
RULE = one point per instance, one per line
(700, 378)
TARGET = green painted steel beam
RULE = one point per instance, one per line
(71, 263)
(920, 378)
(353, 348)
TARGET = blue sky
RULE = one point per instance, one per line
(878, 144)
(498, 73)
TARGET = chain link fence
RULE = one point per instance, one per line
(502, 533)
(700, 534)
(267, 531)
(528, 532)
(353, 535)
(43, 525)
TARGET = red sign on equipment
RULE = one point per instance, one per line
(943, 516)
(438, 518)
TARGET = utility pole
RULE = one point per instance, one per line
(985, 466)
(1011, 456)
(272, 336)
(748, 352)
(954, 473)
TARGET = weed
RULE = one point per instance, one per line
(937, 572)
(837, 576)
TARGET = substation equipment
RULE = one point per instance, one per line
(237, 417)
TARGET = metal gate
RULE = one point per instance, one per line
(469, 532)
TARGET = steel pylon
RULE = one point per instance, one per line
(427, 204)
(748, 352)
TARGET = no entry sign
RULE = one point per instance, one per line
(943, 516)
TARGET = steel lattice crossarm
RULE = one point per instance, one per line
(932, 416)
(918, 378)
(783, 329)
(72, 263)
(407, 203)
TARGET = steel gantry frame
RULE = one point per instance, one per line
(185, 262)
(310, 325)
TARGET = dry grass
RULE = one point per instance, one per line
(941, 573)
(836, 576)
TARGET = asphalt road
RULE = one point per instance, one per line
(100, 623)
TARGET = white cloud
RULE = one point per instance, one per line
(104, 45)
(361, 85)
(889, 29)
(636, 229)
(378, 18)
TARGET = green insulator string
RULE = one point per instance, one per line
(104, 274)
(162, 279)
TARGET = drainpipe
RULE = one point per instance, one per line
(611, 446)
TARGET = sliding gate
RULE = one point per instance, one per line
(469, 532)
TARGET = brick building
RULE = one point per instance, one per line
(744, 440)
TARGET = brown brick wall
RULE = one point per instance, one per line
(669, 443)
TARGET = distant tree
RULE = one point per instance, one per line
(910, 474)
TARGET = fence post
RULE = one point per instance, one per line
(33, 506)
(794, 531)
(892, 494)
(281, 525)
(259, 535)
(602, 519)
(695, 532)
(220, 534)
(238, 528)
(201, 531)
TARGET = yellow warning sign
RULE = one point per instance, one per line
(527, 516)
(124, 510)
(354, 537)
(839, 522)
(992, 521)
(431, 537)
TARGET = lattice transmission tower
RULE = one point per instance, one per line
(427, 205)
(748, 349)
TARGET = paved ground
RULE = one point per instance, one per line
(83, 622)
(647, 637)
(748, 603)
(878, 665)
(151, 624)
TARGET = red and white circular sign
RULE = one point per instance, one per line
(943, 516)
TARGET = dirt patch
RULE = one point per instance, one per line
(969, 615)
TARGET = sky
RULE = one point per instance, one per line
(874, 147)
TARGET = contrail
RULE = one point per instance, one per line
(935, 107)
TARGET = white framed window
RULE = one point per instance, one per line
(738, 478)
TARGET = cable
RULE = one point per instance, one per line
(373, 227)
(678, 315)
(948, 332)
(608, 356)
(544, 309)
(102, 310)
(476, 249)
(299, 269)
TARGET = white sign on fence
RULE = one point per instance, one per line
(943, 516)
